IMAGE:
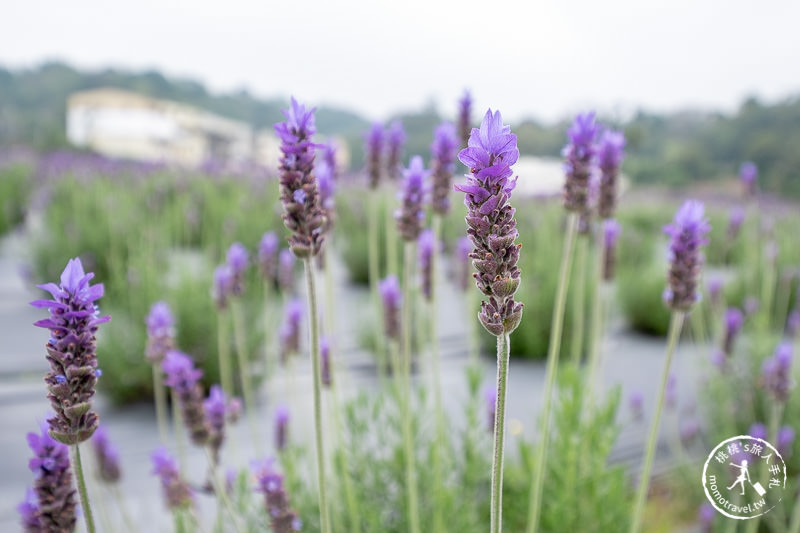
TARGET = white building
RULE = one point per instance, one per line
(124, 124)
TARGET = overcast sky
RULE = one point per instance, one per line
(541, 58)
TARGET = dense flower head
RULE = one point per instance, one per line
(216, 411)
(776, 372)
(426, 247)
(282, 518)
(289, 332)
(395, 141)
(107, 456)
(237, 259)
(303, 215)
(491, 151)
(610, 152)
(758, 431)
(392, 298)
(579, 165)
(53, 482)
(71, 352)
(734, 319)
(160, 332)
(748, 173)
(28, 511)
(688, 234)
(411, 215)
(286, 262)
(177, 493)
(443, 157)
(329, 149)
(785, 440)
(327, 189)
(222, 287)
(325, 361)
(184, 379)
(373, 150)
(464, 117)
(462, 263)
(611, 232)
(281, 427)
(268, 255)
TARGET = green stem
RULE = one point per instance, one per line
(161, 402)
(578, 300)
(83, 494)
(503, 351)
(123, 509)
(391, 243)
(268, 361)
(177, 428)
(223, 352)
(599, 303)
(675, 324)
(438, 517)
(221, 493)
(374, 275)
(244, 370)
(408, 437)
(775, 413)
(553, 351)
(313, 331)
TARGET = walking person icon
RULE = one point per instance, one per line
(743, 475)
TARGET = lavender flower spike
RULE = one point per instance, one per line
(426, 245)
(491, 226)
(443, 157)
(184, 379)
(299, 195)
(50, 464)
(688, 232)
(216, 409)
(776, 373)
(281, 427)
(289, 331)
(392, 299)
(160, 332)
(373, 150)
(286, 270)
(325, 360)
(222, 289)
(733, 324)
(268, 255)
(395, 141)
(748, 172)
(580, 161)
(464, 118)
(611, 231)
(73, 322)
(236, 259)
(107, 456)
(282, 518)
(177, 493)
(610, 151)
(29, 513)
(411, 215)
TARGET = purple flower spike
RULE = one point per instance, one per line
(688, 232)
(490, 395)
(329, 150)
(216, 410)
(281, 427)
(71, 352)
(286, 270)
(395, 141)
(303, 215)
(184, 379)
(793, 323)
(735, 221)
(282, 519)
(373, 150)
(236, 260)
(443, 157)
(392, 298)
(53, 485)
(410, 216)
(758, 431)
(268, 255)
(785, 441)
(776, 372)
(464, 118)
(222, 288)
(160, 332)
(107, 456)
(462, 262)
(610, 152)
(715, 286)
(28, 511)
(289, 332)
(611, 231)
(748, 172)
(325, 360)
(706, 515)
(491, 151)
(734, 319)
(580, 161)
(177, 493)
(426, 247)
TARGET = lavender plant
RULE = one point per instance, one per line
(491, 151)
(184, 379)
(395, 142)
(282, 518)
(464, 118)
(54, 509)
(160, 340)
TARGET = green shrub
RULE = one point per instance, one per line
(15, 191)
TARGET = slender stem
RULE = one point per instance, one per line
(244, 370)
(553, 351)
(391, 243)
(675, 324)
(222, 494)
(177, 428)
(775, 413)
(503, 351)
(438, 517)
(268, 360)
(223, 352)
(83, 494)
(123, 509)
(579, 299)
(373, 252)
(161, 402)
(313, 331)
(408, 437)
(596, 328)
